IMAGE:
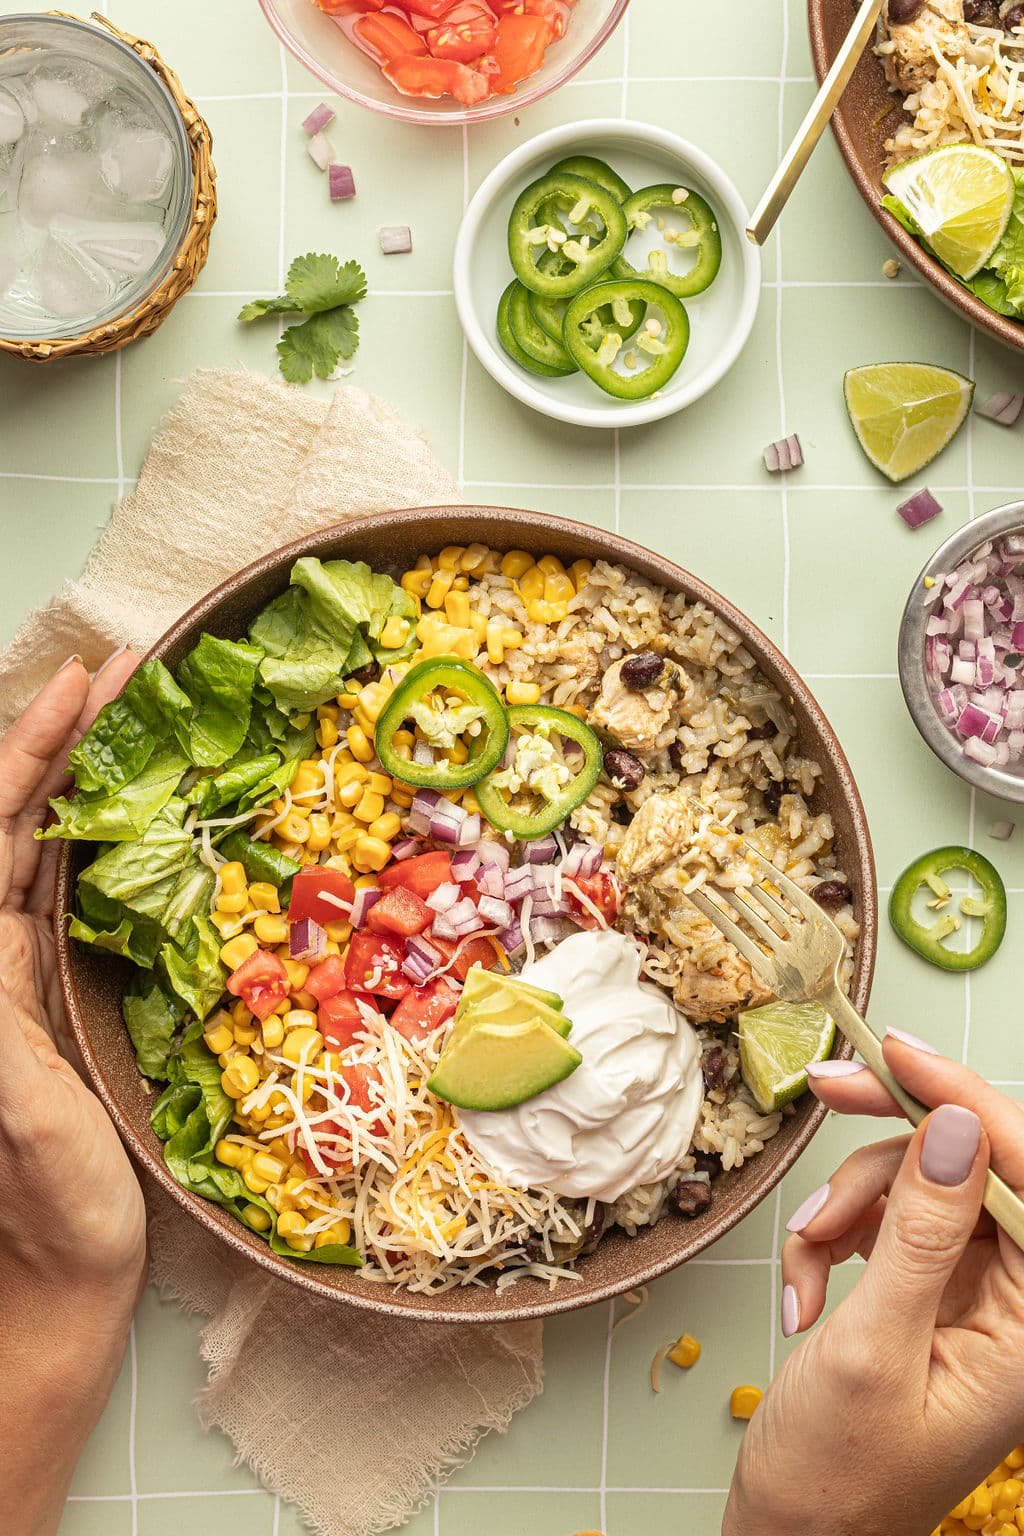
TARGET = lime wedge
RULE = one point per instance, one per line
(904, 414)
(960, 197)
(776, 1044)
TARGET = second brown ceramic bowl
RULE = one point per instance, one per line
(93, 981)
(869, 114)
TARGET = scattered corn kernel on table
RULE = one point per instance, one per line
(818, 558)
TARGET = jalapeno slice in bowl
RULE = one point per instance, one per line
(550, 316)
(660, 343)
(595, 170)
(584, 256)
(510, 343)
(532, 336)
(703, 236)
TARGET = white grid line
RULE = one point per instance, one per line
(584, 84)
(133, 1406)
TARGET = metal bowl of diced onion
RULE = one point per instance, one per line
(961, 652)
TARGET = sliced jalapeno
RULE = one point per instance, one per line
(595, 170)
(517, 353)
(583, 255)
(448, 699)
(703, 237)
(555, 763)
(550, 316)
(928, 940)
(532, 337)
(660, 343)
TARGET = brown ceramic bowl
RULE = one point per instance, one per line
(867, 115)
(93, 981)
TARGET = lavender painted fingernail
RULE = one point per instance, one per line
(905, 1038)
(105, 664)
(835, 1068)
(950, 1144)
(812, 1206)
(790, 1312)
(68, 663)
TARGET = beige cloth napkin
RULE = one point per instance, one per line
(354, 1420)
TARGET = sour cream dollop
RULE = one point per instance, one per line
(627, 1114)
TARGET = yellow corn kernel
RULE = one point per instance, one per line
(540, 612)
(371, 853)
(359, 743)
(220, 1038)
(319, 832)
(226, 925)
(350, 794)
(308, 778)
(339, 1233)
(559, 589)
(580, 572)
(340, 933)
(450, 557)
(329, 1061)
(981, 1502)
(459, 753)
(456, 607)
(291, 850)
(299, 1018)
(271, 928)
(531, 583)
(379, 783)
(327, 734)
(296, 971)
(403, 738)
(253, 1181)
(521, 693)
(265, 1166)
(403, 795)
(256, 1218)
(439, 589)
(685, 1352)
(470, 803)
(263, 895)
(515, 564)
(744, 1401)
(551, 565)
(1018, 1518)
(303, 1002)
(232, 877)
(292, 1227)
(246, 1034)
(240, 1076)
(369, 808)
(511, 639)
(273, 1032)
(417, 583)
(495, 643)
(345, 840)
(326, 712)
(474, 557)
(372, 700)
(352, 773)
(1015, 1459)
(231, 1153)
(478, 625)
(394, 633)
(233, 902)
(301, 1045)
(236, 950)
(386, 827)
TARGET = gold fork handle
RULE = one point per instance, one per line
(1003, 1205)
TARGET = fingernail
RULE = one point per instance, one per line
(112, 657)
(68, 662)
(914, 1040)
(950, 1144)
(835, 1068)
(790, 1312)
(805, 1214)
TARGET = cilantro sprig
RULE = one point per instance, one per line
(324, 289)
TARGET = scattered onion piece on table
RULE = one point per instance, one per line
(786, 454)
(920, 509)
(318, 119)
(1003, 408)
(320, 151)
(341, 182)
(395, 239)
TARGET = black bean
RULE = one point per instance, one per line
(1014, 18)
(832, 894)
(763, 732)
(621, 813)
(367, 674)
(642, 671)
(713, 1064)
(984, 12)
(624, 770)
(774, 793)
(902, 11)
(690, 1197)
(709, 1163)
(595, 1231)
(675, 755)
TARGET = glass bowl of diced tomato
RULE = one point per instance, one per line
(444, 61)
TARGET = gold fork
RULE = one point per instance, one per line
(798, 954)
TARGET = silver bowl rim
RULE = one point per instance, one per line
(999, 783)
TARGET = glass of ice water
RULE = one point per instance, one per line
(95, 178)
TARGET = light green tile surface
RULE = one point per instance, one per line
(821, 562)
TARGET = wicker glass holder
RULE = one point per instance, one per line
(189, 258)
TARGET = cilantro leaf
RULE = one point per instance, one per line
(260, 307)
(319, 283)
(317, 344)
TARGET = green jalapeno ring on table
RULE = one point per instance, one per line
(928, 941)
(665, 351)
(544, 720)
(532, 336)
(410, 701)
(704, 237)
(526, 234)
(510, 343)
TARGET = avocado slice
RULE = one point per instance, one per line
(481, 984)
(497, 1066)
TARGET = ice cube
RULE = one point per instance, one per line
(10, 251)
(69, 284)
(64, 93)
(136, 158)
(119, 245)
(12, 118)
(15, 86)
(55, 180)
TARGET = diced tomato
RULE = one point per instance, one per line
(316, 892)
(434, 8)
(423, 874)
(261, 981)
(473, 952)
(389, 37)
(400, 912)
(359, 1079)
(374, 964)
(603, 890)
(350, 7)
(556, 13)
(519, 47)
(424, 1009)
(326, 979)
(466, 32)
(439, 77)
(341, 1019)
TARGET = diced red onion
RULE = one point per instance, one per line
(395, 239)
(920, 509)
(546, 904)
(494, 910)
(974, 619)
(365, 898)
(423, 950)
(980, 751)
(318, 118)
(469, 832)
(549, 930)
(491, 852)
(444, 897)
(423, 754)
(341, 184)
(417, 968)
(404, 848)
(518, 883)
(962, 671)
(972, 721)
(1004, 408)
(320, 151)
(511, 938)
(465, 864)
(936, 625)
(307, 941)
(947, 706)
(784, 455)
(492, 880)
(446, 822)
(464, 917)
(542, 850)
(442, 928)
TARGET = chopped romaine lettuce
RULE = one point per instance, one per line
(123, 813)
(152, 1018)
(218, 676)
(262, 861)
(215, 792)
(193, 970)
(128, 730)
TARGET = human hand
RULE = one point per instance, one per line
(913, 1389)
(72, 1219)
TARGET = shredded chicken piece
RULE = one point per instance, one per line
(938, 26)
(635, 719)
